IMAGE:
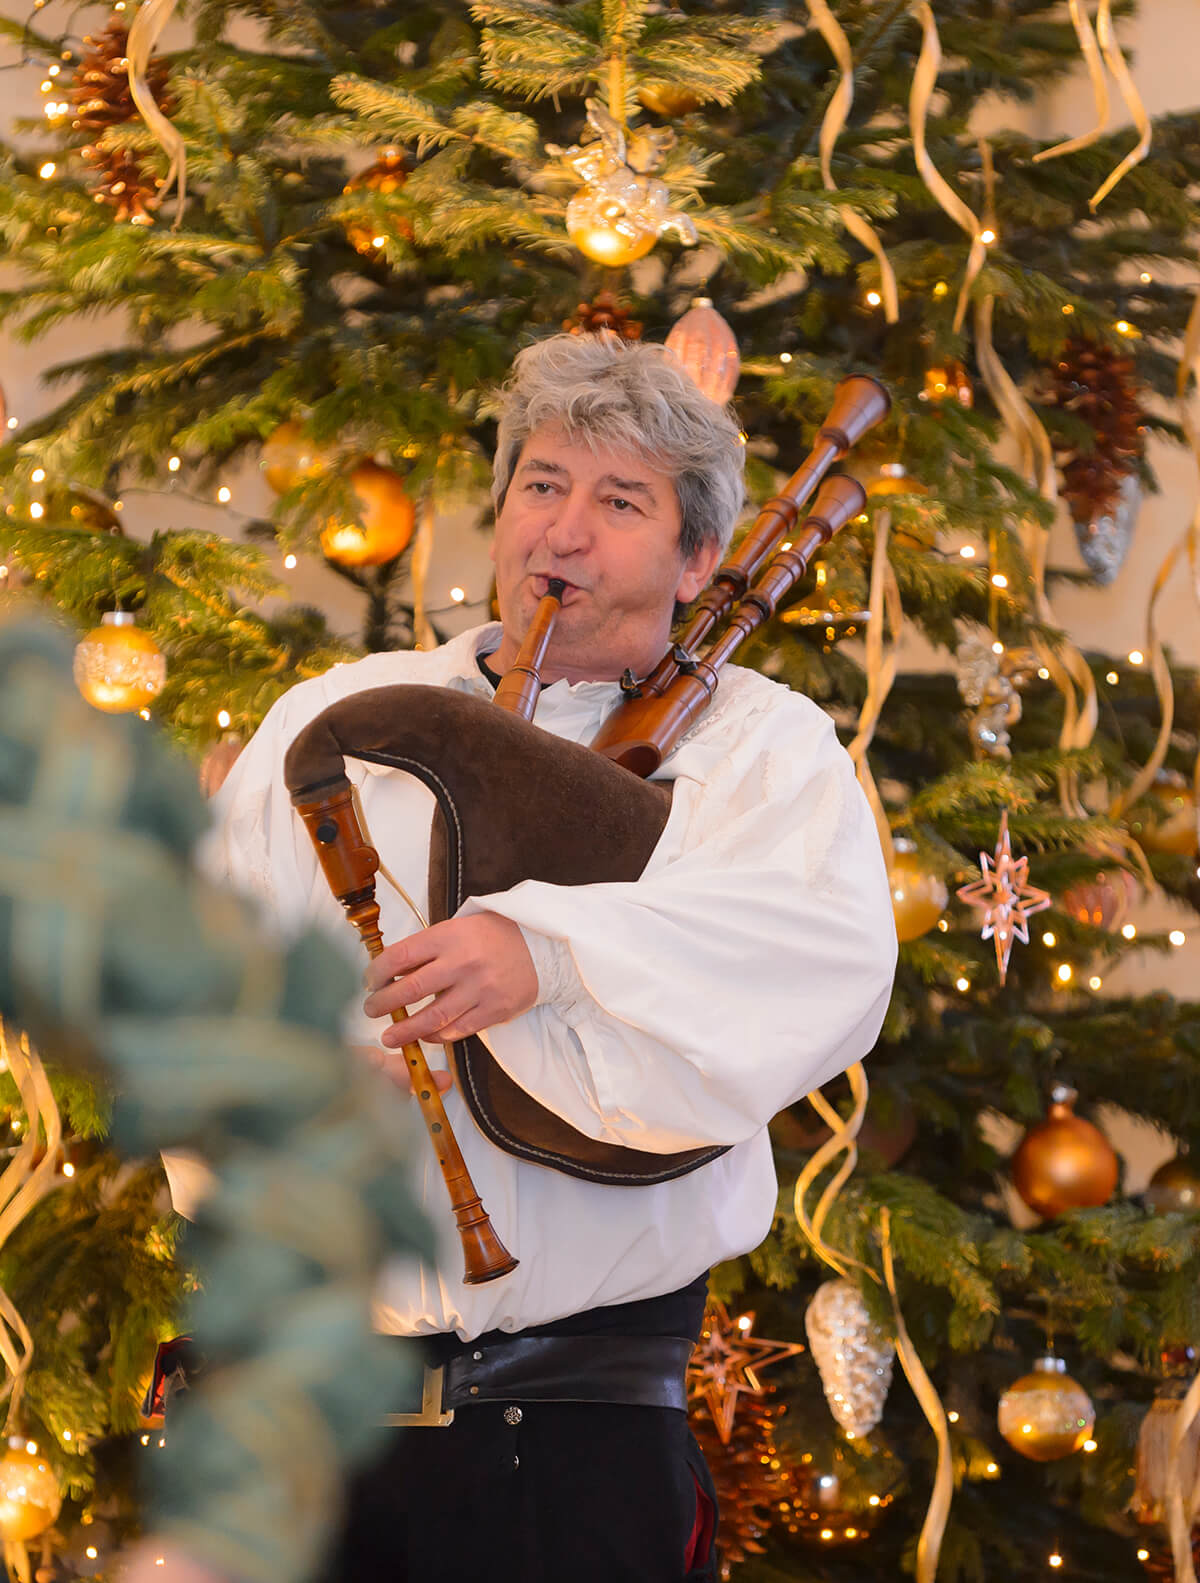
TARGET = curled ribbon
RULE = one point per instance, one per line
(1189, 543)
(1107, 38)
(143, 35)
(1095, 66)
(834, 120)
(924, 81)
(1180, 1510)
(881, 673)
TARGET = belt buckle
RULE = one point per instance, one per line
(432, 1414)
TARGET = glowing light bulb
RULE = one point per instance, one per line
(1177, 937)
(872, 1500)
(1129, 930)
(1094, 983)
(145, 1440)
(224, 494)
(223, 719)
(1043, 673)
(1068, 308)
(1055, 1559)
(68, 1169)
(37, 475)
(66, 1434)
(874, 298)
(940, 288)
(173, 464)
(943, 925)
(31, 1447)
(47, 170)
(785, 357)
(1136, 657)
(997, 647)
(1143, 1555)
(1145, 277)
(962, 985)
(1064, 972)
(289, 561)
(952, 1417)
(1123, 327)
(968, 552)
(37, 511)
(987, 236)
(1089, 1445)
(12, 423)
(143, 714)
(999, 580)
(458, 594)
(378, 241)
(91, 1552)
(1112, 678)
(992, 1468)
(744, 1322)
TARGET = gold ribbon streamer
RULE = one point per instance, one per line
(933, 1529)
(842, 1141)
(884, 602)
(1067, 667)
(418, 571)
(1180, 1512)
(1095, 66)
(1189, 542)
(834, 120)
(143, 35)
(924, 81)
(1106, 35)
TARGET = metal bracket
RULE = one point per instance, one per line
(432, 1415)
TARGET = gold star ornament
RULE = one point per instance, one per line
(1005, 897)
(726, 1362)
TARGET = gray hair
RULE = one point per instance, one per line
(632, 396)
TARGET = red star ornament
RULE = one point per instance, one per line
(726, 1361)
(1005, 897)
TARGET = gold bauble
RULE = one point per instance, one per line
(289, 457)
(1064, 1162)
(893, 478)
(604, 236)
(1172, 823)
(842, 1490)
(708, 350)
(919, 896)
(668, 100)
(1174, 1186)
(948, 381)
(29, 1493)
(387, 516)
(76, 506)
(118, 667)
(1046, 1415)
(387, 175)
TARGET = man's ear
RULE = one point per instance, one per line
(697, 572)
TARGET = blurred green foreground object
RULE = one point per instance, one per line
(216, 1039)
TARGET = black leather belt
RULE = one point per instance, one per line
(636, 1371)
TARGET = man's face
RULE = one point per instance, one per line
(607, 523)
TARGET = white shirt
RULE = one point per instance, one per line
(750, 963)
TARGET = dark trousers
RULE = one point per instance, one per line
(574, 1492)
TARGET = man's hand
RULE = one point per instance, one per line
(478, 969)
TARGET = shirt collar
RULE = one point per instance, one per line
(460, 655)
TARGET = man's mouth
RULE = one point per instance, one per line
(541, 586)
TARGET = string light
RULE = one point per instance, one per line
(224, 494)
(1068, 308)
(378, 241)
(66, 1434)
(289, 561)
(997, 647)
(940, 288)
(458, 594)
(91, 1552)
(1143, 1555)
(1145, 277)
(874, 298)
(1112, 678)
(223, 719)
(1089, 1445)
(1064, 972)
(987, 236)
(54, 70)
(12, 423)
(47, 170)
(37, 511)
(1129, 930)
(46, 86)
(68, 1169)
(943, 925)
(953, 1417)
(37, 475)
(145, 1440)
(173, 464)
(1043, 673)
(992, 1467)
(999, 580)
(1094, 983)
(32, 1447)
(1177, 937)
(785, 357)
(1123, 327)
(962, 985)
(143, 714)
(1056, 1560)
(967, 552)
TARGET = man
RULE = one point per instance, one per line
(751, 962)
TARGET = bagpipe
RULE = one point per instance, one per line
(602, 815)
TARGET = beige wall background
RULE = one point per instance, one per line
(1163, 45)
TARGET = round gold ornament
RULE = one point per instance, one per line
(894, 478)
(29, 1493)
(1102, 902)
(607, 233)
(1064, 1162)
(948, 381)
(841, 1491)
(387, 514)
(77, 506)
(388, 174)
(1174, 1187)
(118, 667)
(289, 457)
(1172, 823)
(708, 350)
(668, 100)
(1046, 1415)
(919, 896)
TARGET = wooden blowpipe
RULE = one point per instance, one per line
(859, 403)
(644, 730)
(519, 687)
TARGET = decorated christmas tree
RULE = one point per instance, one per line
(323, 232)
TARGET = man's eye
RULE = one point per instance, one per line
(622, 504)
(538, 484)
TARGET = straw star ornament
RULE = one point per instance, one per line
(726, 1362)
(1005, 897)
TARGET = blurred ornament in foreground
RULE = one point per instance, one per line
(1174, 1188)
(1064, 1162)
(118, 667)
(919, 894)
(1103, 901)
(948, 381)
(289, 456)
(708, 350)
(1104, 538)
(387, 515)
(894, 478)
(842, 1490)
(29, 1493)
(1159, 1452)
(853, 1354)
(1046, 1415)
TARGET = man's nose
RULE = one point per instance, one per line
(570, 529)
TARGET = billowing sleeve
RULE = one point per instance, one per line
(750, 963)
